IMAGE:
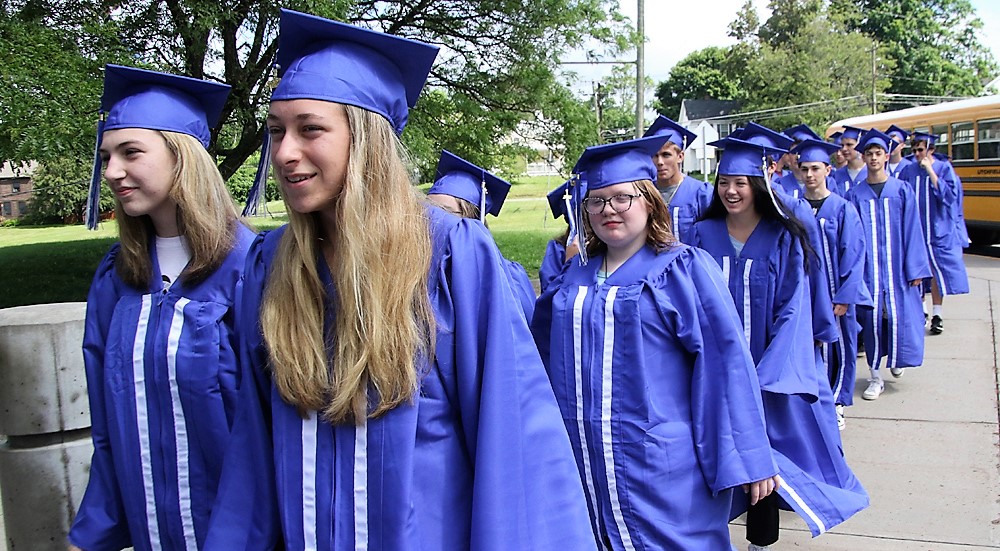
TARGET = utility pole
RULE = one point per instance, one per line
(874, 80)
(640, 108)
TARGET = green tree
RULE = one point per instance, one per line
(935, 44)
(497, 60)
(60, 192)
(700, 75)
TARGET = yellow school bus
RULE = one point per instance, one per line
(969, 132)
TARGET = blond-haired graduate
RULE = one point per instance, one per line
(392, 395)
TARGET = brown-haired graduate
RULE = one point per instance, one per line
(392, 397)
(159, 345)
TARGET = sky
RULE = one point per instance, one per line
(696, 25)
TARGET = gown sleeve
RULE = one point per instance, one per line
(100, 521)
(552, 263)
(727, 415)
(788, 364)
(521, 286)
(527, 492)
(245, 514)
(945, 191)
(851, 287)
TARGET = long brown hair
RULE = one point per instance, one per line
(206, 217)
(659, 236)
(381, 257)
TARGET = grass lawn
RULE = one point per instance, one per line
(41, 264)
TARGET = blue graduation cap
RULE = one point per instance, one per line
(800, 133)
(330, 61)
(931, 139)
(464, 180)
(138, 98)
(835, 137)
(675, 133)
(875, 137)
(762, 135)
(627, 161)
(852, 133)
(557, 200)
(745, 158)
(814, 151)
(894, 131)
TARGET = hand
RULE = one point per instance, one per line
(916, 282)
(927, 163)
(760, 489)
(839, 309)
(572, 250)
(73, 548)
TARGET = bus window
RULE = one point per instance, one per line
(941, 131)
(989, 139)
(962, 142)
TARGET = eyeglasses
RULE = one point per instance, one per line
(919, 149)
(619, 203)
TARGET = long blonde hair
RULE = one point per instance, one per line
(659, 235)
(381, 257)
(206, 217)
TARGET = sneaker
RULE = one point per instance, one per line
(897, 372)
(861, 348)
(875, 388)
(841, 420)
(753, 547)
(937, 325)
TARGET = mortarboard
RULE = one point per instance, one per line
(675, 133)
(744, 158)
(875, 137)
(814, 151)
(138, 98)
(762, 135)
(894, 131)
(331, 61)
(800, 133)
(931, 139)
(835, 137)
(627, 161)
(557, 200)
(852, 133)
(459, 178)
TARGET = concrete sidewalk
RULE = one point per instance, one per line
(927, 449)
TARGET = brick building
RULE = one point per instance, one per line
(15, 190)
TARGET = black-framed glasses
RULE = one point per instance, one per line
(619, 203)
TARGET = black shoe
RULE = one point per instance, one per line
(936, 325)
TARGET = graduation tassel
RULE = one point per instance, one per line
(257, 195)
(482, 198)
(92, 214)
(576, 214)
(767, 183)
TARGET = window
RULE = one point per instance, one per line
(16, 187)
(724, 129)
(7, 209)
(989, 139)
(962, 142)
(22, 208)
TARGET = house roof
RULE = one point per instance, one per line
(707, 108)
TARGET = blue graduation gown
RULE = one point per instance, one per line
(825, 326)
(162, 376)
(687, 205)
(939, 219)
(768, 285)
(844, 182)
(552, 263)
(896, 254)
(658, 393)
(480, 460)
(843, 254)
(788, 184)
(903, 163)
(522, 287)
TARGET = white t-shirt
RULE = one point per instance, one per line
(173, 254)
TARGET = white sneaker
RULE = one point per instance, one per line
(897, 372)
(841, 420)
(875, 388)
(753, 547)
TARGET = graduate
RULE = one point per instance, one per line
(159, 346)
(897, 162)
(895, 265)
(838, 159)
(557, 252)
(392, 397)
(686, 198)
(759, 245)
(938, 194)
(646, 355)
(842, 251)
(854, 170)
(469, 191)
(791, 182)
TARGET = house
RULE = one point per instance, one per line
(15, 190)
(710, 120)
